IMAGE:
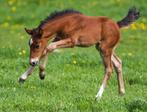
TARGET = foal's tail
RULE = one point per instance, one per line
(132, 16)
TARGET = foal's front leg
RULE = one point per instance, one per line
(25, 75)
(50, 48)
(42, 65)
(65, 43)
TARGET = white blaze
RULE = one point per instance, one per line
(34, 59)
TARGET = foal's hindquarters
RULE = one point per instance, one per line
(109, 38)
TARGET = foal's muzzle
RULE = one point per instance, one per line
(34, 61)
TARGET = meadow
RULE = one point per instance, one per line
(73, 76)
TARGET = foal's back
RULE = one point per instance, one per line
(86, 30)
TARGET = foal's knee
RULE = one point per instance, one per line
(109, 72)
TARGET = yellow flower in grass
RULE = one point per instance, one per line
(74, 62)
(23, 51)
(5, 24)
(133, 26)
(13, 9)
(130, 54)
(142, 26)
(22, 37)
(10, 2)
(20, 53)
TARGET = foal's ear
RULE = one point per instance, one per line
(29, 31)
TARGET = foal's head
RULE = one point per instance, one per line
(37, 44)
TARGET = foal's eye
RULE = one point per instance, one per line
(37, 46)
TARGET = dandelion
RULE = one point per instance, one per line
(13, 9)
(22, 37)
(5, 24)
(10, 2)
(20, 53)
(142, 26)
(118, 1)
(130, 54)
(23, 51)
(74, 62)
(133, 26)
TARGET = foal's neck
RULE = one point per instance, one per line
(54, 26)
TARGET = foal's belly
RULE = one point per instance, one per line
(86, 41)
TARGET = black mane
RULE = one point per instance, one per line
(58, 14)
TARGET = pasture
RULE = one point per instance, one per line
(73, 76)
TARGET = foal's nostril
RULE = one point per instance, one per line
(34, 63)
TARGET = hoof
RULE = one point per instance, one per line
(21, 81)
(42, 76)
(122, 92)
(97, 98)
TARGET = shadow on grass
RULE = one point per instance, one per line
(137, 105)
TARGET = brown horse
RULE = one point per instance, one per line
(71, 28)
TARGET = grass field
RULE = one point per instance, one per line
(73, 76)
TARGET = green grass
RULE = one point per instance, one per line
(70, 87)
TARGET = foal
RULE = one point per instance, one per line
(71, 28)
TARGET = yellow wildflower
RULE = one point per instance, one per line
(142, 26)
(130, 54)
(10, 2)
(23, 51)
(22, 37)
(74, 62)
(5, 24)
(133, 26)
(20, 53)
(13, 9)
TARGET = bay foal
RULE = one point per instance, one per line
(70, 28)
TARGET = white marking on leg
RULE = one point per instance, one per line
(100, 92)
(25, 75)
(122, 90)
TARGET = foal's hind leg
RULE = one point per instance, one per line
(42, 65)
(106, 54)
(118, 68)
